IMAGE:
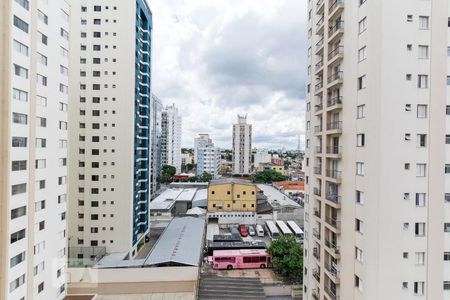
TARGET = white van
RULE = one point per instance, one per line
(259, 230)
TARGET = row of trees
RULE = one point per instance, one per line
(168, 172)
(268, 176)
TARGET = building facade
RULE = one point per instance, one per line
(231, 196)
(171, 137)
(208, 160)
(156, 136)
(242, 146)
(34, 51)
(377, 202)
(110, 137)
(202, 140)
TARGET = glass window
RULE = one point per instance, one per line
(19, 23)
(21, 48)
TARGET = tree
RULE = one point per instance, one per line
(206, 177)
(268, 176)
(287, 258)
(167, 173)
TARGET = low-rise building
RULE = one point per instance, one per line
(271, 166)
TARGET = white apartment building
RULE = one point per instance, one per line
(110, 133)
(261, 156)
(171, 138)
(207, 156)
(202, 140)
(242, 146)
(156, 137)
(377, 203)
(34, 51)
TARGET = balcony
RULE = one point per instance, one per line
(316, 294)
(333, 197)
(334, 223)
(319, 45)
(316, 253)
(336, 32)
(317, 212)
(318, 87)
(320, 25)
(334, 249)
(318, 149)
(331, 293)
(335, 174)
(335, 76)
(317, 192)
(316, 234)
(319, 66)
(318, 107)
(316, 275)
(334, 102)
(318, 170)
(334, 150)
(332, 270)
(320, 7)
(338, 50)
(335, 125)
(335, 8)
(318, 129)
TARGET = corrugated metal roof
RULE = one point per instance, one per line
(181, 243)
(276, 198)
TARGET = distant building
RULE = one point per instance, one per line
(202, 140)
(261, 156)
(171, 137)
(187, 158)
(277, 161)
(271, 166)
(156, 140)
(242, 146)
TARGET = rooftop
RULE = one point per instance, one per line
(167, 199)
(276, 198)
(230, 180)
(291, 185)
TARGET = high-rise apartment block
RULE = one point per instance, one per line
(242, 146)
(110, 133)
(207, 155)
(156, 136)
(34, 50)
(377, 203)
(171, 137)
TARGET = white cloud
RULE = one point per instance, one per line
(215, 59)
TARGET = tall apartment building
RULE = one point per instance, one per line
(377, 204)
(156, 136)
(242, 146)
(171, 137)
(110, 133)
(202, 140)
(207, 155)
(33, 124)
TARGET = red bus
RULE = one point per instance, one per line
(240, 259)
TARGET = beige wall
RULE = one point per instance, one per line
(241, 197)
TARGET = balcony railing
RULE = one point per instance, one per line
(319, 3)
(332, 245)
(318, 107)
(338, 25)
(333, 222)
(318, 149)
(320, 22)
(318, 170)
(333, 197)
(334, 101)
(317, 128)
(316, 275)
(334, 125)
(335, 5)
(316, 191)
(319, 85)
(335, 76)
(332, 293)
(319, 65)
(316, 253)
(334, 150)
(333, 271)
(334, 174)
(317, 212)
(316, 233)
(319, 43)
(316, 294)
(336, 51)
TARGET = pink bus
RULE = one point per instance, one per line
(240, 259)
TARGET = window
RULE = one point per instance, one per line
(358, 283)
(424, 22)
(358, 254)
(18, 165)
(97, 8)
(20, 118)
(360, 140)
(360, 111)
(447, 168)
(420, 258)
(40, 184)
(42, 59)
(421, 170)
(43, 38)
(24, 3)
(419, 288)
(40, 287)
(63, 70)
(20, 95)
(42, 17)
(422, 111)
(40, 163)
(362, 82)
(446, 256)
(446, 227)
(409, 18)
(20, 71)
(17, 236)
(40, 205)
(41, 122)
(41, 101)
(362, 25)
(42, 80)
(423, 52)
(64, 33)
(359, 225)
(360, 168)
(64, 52)
(422, 81)
(359, 197)
(446, 285)
(18, 141)
(420, 199)
(362, 54)
(17, 259)
(18, 212)
(20, 48)
(22, 25)
(421, 140)
(41, 143)
(420, 229)
(16, 283)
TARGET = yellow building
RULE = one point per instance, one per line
(231, 195)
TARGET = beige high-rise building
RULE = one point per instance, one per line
(34, 50)
(377, 203)
(242, 146)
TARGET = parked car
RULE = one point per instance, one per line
(243, 230)
(251, 231)
(234, 229)
(260, 230)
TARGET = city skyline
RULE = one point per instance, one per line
(205, 54)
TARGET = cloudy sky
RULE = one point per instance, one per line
(217, 58)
